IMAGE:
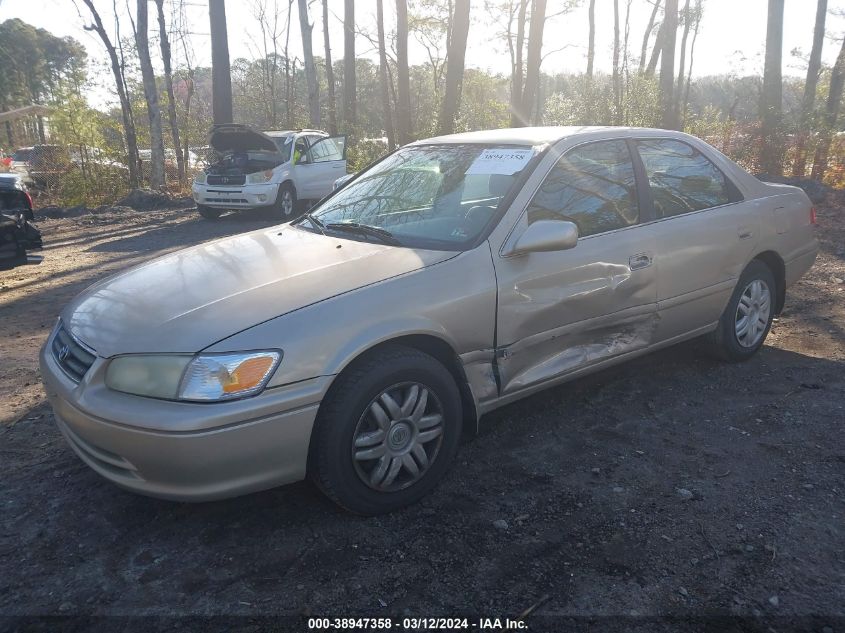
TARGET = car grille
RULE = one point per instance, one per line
(71, 355)
(225, 180)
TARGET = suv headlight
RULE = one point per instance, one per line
(200, 178)
(201, 378)
(259, 177)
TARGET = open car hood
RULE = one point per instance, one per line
(236, 137)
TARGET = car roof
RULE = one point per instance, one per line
(8, 179)
(536, 135)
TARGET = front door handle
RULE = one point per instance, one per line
(640, 260)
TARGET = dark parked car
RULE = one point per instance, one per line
(17, 235)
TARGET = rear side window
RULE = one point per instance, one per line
(593, 186)
(682, 179)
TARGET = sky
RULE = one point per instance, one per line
(731, 38)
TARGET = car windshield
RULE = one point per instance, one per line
(426, 196)
(22, 155)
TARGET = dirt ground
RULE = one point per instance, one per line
(673, 486)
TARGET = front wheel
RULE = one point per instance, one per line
(387, 431)
(208, 212)
(285, 206)
(747, 319)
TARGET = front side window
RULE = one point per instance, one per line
(682, 179)
(593, 186)
(429, 196)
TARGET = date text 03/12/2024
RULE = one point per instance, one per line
(417, 624)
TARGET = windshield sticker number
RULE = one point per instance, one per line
(500, 161)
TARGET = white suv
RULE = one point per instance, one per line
(273, 170)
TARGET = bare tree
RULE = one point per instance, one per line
(679, 106)
(617, 78)
(384, 80)
(349, 89)
(591, 44)
(164, 43)
(120, 85)
(329, 70)
(517, 73)
(268, 23)
(831, 115)
(533, 59)
(808, 103)
(306, 29)
(647, 35)
(403, 106)
(698, 14)
(771, 103)
(151, 95)
(455, 54)
(667, 65)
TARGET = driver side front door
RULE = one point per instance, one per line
(562, 311)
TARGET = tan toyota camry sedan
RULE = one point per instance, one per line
(456, 275)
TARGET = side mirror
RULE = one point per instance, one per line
(547, 235)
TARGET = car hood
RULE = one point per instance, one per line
(190, 299)
(235, 137)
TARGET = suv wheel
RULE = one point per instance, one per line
(208, 212)
(387, 431)
(747, 319)
(285, 206)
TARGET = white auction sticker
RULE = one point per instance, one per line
(500, 161)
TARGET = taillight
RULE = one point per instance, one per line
(813, 215)
(29, 199)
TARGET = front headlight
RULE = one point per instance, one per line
(203, 378)
(200, 178)
(259, 177)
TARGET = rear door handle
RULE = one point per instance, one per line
(640, 260)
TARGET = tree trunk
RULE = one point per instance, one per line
(164, 42)
(329, 71)
(533, 58)
(647, 35)
(125, 107)
(667, 66)
(349, 105)
(617, 78)
(831, 114)
(455, 55)
(403, 107)
(518, 70)
(151, 95)
(384, 80)
(771, 153)
(679, 107)
(221, 75)
(591, 46)
(808, 103)
(656, 51)
(310, 68)
(290, 72)
(698, 10)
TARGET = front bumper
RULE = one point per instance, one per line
(214, 450)
(235, 197)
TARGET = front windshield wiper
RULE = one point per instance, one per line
(364, 229)
(314, 222)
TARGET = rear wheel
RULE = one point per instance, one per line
(285, 206)
(208, 213)
(747, 319)
(387, 431)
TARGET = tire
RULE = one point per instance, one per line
(756, 291)
(208, 212)
(285, 206)
(424, 437)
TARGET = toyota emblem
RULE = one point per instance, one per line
(64, 353)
